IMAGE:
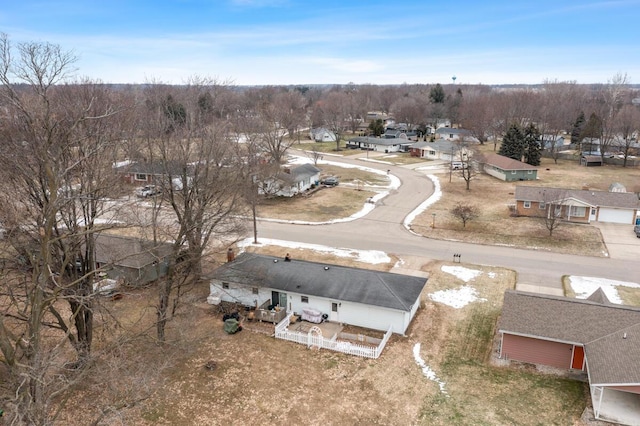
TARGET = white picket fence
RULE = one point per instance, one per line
(312, 339)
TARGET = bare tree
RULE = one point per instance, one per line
(463, 152)
(58, 150)
(465, 212)
(334, 114)
(476, 114)
(628, 120)
(203, 188)
(609, 103)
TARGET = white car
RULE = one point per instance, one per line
(147, 191)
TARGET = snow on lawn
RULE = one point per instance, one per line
(426, 370)
(461, 296)
(583, 287)
(458, 297)
(437, 194)
(465, 274)
(367, 256)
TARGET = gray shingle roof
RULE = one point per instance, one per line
(375, 141)
(385, 289)
(561, 318)
(628, 200)
(129, 252)
(506, 163)
(299, 173)
(613, 359)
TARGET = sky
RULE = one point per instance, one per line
(283, 42)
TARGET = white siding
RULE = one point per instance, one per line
(358, 314)
(495, 173)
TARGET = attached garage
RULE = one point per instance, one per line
(611, 215)
(537, 351)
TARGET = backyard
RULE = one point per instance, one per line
(206, 377)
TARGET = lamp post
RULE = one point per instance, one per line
(433, 220)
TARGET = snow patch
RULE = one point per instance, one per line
(437, 194)
(465, 274)
(458, 297)
(426, 370)
(583, 287)
(366, 256)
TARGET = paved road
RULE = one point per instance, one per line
(382, 229)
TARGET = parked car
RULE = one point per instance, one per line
(330, 181)
(147, 191)
(636, 229)
(458, 165)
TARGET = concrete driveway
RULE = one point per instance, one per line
(620, 240)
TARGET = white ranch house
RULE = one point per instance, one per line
(365, 298)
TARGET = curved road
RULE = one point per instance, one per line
(382, 229)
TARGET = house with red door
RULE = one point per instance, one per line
(592, 336)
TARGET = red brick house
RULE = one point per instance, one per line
(575, 205)
(593, 335)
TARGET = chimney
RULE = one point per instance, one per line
(230, 255)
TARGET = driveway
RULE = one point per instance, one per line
(620, 240)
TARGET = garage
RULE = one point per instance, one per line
(607, 214)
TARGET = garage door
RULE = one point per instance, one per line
(615, 216)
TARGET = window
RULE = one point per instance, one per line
(432, 153)
(593, 211)
(225, 286)
(526, 204)
(334, 307)
(513, 172)
(254, 290)
(529, 172)
(542, 205)
(141, 176)
(304, 299)
(578, 211)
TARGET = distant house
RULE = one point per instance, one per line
(451, 134)
(360, 297)
(132, 260)
(592, 336)
(439, 150)
(577, 205)
(322, 135)
(144, 172)
(377, 144)
(394, 134)
(292, 180)
(508, 169)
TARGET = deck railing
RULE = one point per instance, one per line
(312, 339)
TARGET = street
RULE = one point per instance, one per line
(382, 229)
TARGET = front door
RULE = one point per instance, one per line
(577, 362)
(334, 317)
(283, 301)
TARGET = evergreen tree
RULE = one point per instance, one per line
(591, 130)
(577, 128)
(532, 146)
(376, 127)
(513, 143)
(436, 94)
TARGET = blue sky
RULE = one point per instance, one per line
(247, 42)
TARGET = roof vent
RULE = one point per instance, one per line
(624, 336)
(275, 260)
(326, 268)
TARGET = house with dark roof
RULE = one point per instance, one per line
(361, 297)
(378, 144)
(452, 134)
(291, 180)
(508, 169)
(577, 205)
(147, 172)
(593, 336)
(132, 260)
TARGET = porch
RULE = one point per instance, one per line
(615, 406)
(313, 335)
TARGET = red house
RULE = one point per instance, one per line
(593, 335)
